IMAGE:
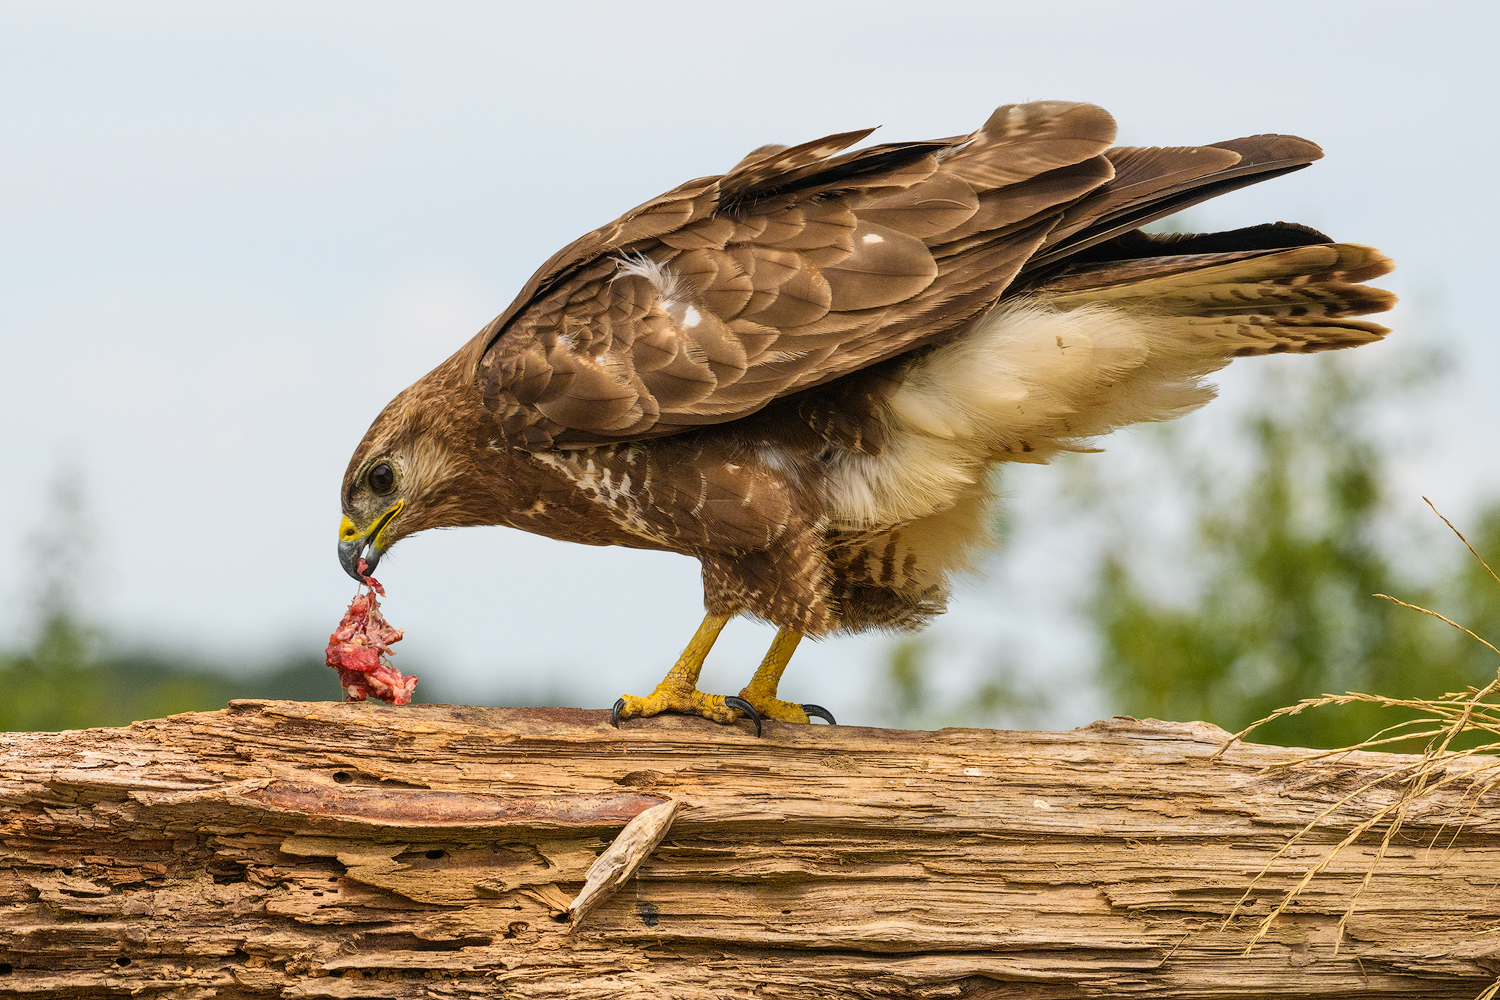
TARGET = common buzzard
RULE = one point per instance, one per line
(802, 371)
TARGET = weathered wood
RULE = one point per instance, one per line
(286, 849)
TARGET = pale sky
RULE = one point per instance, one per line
(229, 233)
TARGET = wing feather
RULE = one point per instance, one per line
(805, 264)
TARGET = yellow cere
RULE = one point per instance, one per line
(348, 532)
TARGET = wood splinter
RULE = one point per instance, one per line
(620, 860)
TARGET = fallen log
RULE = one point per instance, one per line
(326, 850)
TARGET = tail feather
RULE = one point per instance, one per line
(1259, 302)
(1103, 346)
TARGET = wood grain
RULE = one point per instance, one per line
(279, 849)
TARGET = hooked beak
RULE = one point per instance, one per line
(353, 546)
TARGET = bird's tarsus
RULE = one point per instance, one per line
(819, 712)
(744, 706)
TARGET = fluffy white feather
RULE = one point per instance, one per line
(667, 282)
(1027, 382)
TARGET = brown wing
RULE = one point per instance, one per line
(804, 264)
(798, 266)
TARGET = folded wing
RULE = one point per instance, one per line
(802, 265)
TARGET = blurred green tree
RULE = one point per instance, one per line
(1288, 553)
(1267, 596)
(906, 697)
(68, 679)
(73, 675)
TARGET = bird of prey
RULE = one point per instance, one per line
(802, 371)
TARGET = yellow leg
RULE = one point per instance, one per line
(678, 691)
(761, 691)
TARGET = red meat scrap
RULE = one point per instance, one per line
(360, 647)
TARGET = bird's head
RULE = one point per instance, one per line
(377, 490)
(413, 470)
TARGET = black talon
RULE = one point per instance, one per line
(819, 712)
(614, 716)
(746, 707)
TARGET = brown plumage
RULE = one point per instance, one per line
(800, 372)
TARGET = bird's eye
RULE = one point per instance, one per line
(381, 479)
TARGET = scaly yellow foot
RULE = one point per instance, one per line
(686, 701)
(678, 691)
(761, 691)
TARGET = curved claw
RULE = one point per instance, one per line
(614, 717)
(744, 706)
(819, 712)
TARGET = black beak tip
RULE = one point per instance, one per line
(349, 556)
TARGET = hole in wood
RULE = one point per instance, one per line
(5, 969)
(410, 942)
(435, 855)
(123, 961)
(343, 777)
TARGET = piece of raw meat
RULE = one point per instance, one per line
(360, 647)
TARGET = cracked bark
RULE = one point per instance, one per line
(325, 850)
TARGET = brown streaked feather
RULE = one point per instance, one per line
(1020, 141)
(1295, 300)
(892, 165)
(811, 249)
(758, 153)
(659, 216)
(1137, 245)
(1144, 176)
(886, 267)
(1023, 204)
(781, 167)
(939, 204)
(1157, 277)
(1163, 181)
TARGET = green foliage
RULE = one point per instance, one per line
(906, 698)
(54, 688)
(67, 681)
(1288, 556)
(72, 677)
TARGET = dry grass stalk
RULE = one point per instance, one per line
(1445, 719)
